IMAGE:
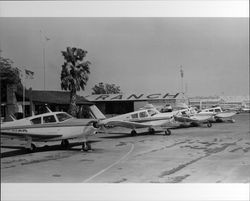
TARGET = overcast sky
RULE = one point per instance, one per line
(141, 55)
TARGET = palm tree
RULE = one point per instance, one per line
(74, 75)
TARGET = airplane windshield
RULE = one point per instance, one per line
(63, 117)
(152, 112)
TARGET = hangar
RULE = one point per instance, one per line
(112, 104)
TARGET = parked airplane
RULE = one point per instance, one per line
(145, 118)
(189, 115)
(218, 114)
(50, 126)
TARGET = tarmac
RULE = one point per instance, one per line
(220, 154)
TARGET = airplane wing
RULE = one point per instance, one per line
(195, 119)
(126, 124)
(35, 137)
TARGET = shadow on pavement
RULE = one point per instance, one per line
(117, 135)
(22, 151)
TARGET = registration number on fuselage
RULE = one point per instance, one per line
(19, 130)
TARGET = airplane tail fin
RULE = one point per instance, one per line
(97, 114)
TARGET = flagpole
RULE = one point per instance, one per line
(44, 67)
(181, 80)
(24, 95)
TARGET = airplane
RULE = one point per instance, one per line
(189, 115)
(50, 126)
(219, 115)
(144, 118)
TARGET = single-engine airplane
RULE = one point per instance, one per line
(219, 115)
(50, 126)
(145, 118)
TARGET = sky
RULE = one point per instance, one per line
(141, 55)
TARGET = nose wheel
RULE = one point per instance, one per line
(86, 146)
(168, 132)
(209, 124)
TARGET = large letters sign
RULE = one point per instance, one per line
(123, 97)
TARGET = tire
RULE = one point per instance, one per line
(168, 132)
(65, 144)
(32, 148)
(151, 131)
(84, 146)
(209, 124)
(88, 146)
(133, 133)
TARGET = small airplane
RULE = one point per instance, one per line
(144, 118)
(219, 115)
(189, 115)
(50, 126)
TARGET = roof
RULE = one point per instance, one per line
(58, 97)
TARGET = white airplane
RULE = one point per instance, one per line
(145, 118)
(219, 115)
(190, 115)
(51, 126)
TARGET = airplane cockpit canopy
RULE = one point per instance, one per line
(63, 117)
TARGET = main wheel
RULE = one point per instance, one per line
(32, 148)
(209, 124)
(88, 145)
(168, 132)
(65, 144)
(151, 131)
(133, 133)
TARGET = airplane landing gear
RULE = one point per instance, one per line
(86, 146)
(168, 132)
(209, 124)
(133, 133)
(32, 148)
(65, 144)
(151, 131)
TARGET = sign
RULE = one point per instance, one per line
(131, 97)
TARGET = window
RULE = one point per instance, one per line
(63, 116)
(49, 119)
(143, 114)
(217, 110)
(152, 112)
(134, 116)
(37, 120)
(211, 110)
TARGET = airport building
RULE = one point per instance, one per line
(35, 100)
(112, 104)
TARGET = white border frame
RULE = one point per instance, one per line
(110, 192)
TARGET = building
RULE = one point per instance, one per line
(112, 104)
(35, 101)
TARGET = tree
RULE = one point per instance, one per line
(106, 89)
(10, 82)
(74, 74)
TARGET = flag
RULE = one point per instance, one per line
(29, 74)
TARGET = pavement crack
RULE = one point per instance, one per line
(178, 168)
